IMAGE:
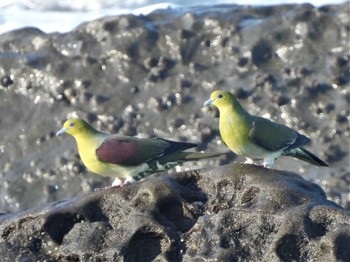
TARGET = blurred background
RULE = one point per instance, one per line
(147, 72)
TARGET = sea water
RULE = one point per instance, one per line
(63, 15)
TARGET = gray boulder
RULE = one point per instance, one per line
(231, 213)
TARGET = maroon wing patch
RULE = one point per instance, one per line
(119, 152)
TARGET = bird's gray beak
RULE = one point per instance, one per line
(61, 131)
(209, 102)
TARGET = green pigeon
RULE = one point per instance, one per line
(258, 139)
(127, 159)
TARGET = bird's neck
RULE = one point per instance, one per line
(89, 135)
(234, 109)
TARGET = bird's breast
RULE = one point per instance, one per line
(87, 153)
(235, 133)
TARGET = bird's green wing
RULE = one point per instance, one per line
(129, 151)
(275, 137)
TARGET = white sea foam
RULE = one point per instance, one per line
(64, 15)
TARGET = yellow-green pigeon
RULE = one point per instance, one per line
(258, 139)
(127, 159)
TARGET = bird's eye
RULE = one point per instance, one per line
(220, 95)
(71, 124)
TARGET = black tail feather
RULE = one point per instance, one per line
(305, 155)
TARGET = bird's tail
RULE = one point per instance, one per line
(305, 155)
(189, 156)
(169, 161)
(197, 156)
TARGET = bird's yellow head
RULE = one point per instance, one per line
(73, 127)
(219, 98)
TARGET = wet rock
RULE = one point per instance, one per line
(281, 100)
(262, 52)
(6, 81)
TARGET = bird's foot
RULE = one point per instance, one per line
(267, 163)
(118, 183)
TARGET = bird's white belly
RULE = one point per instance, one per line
(125, 172)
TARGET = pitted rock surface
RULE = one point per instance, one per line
(234, 212)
